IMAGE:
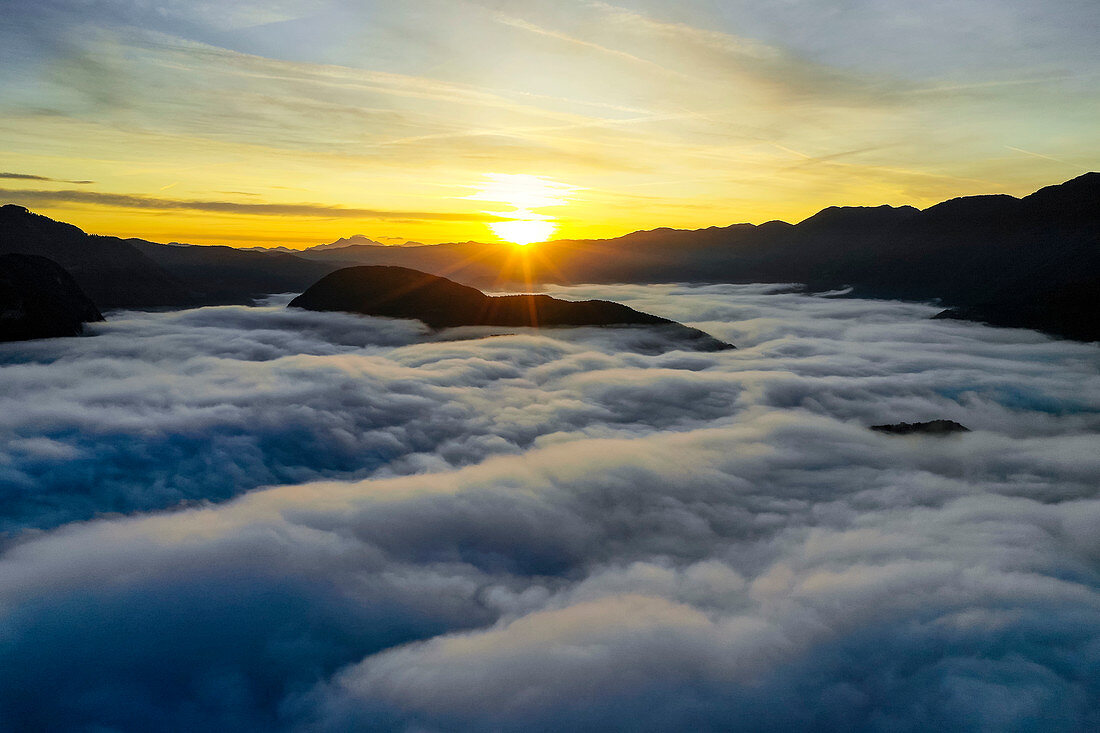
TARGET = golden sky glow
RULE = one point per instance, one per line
(298, 122)
(527, 199)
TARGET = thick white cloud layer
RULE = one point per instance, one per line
(551, 531)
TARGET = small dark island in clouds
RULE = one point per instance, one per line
(578, 366)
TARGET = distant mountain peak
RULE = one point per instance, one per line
(1077, 196)
(970, 206)
(354, 239)
(1090, 179)
(859, 215)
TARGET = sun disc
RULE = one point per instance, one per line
(527, 196)
(523, 231)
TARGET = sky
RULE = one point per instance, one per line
(259, 518)
(297, 122)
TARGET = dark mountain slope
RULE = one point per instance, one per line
(773, 251)
(218, 274)
(1032, 262)
(38, 299)
(134, 273)
(112, 272)
(398, 292)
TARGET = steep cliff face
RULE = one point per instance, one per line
(134, 273)
(110, 271)
(39, 299)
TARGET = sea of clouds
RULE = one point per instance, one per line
(258, 518)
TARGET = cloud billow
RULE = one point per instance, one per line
(569, 536)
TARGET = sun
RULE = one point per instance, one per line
(523, 231)
(525, 195)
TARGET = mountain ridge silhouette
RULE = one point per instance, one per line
(1031, 262)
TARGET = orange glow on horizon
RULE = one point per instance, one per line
(523, 231)
(526, 195)
(597, 122)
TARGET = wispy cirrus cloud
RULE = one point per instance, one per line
(32, 177)
(603, 95)
(136, 201)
